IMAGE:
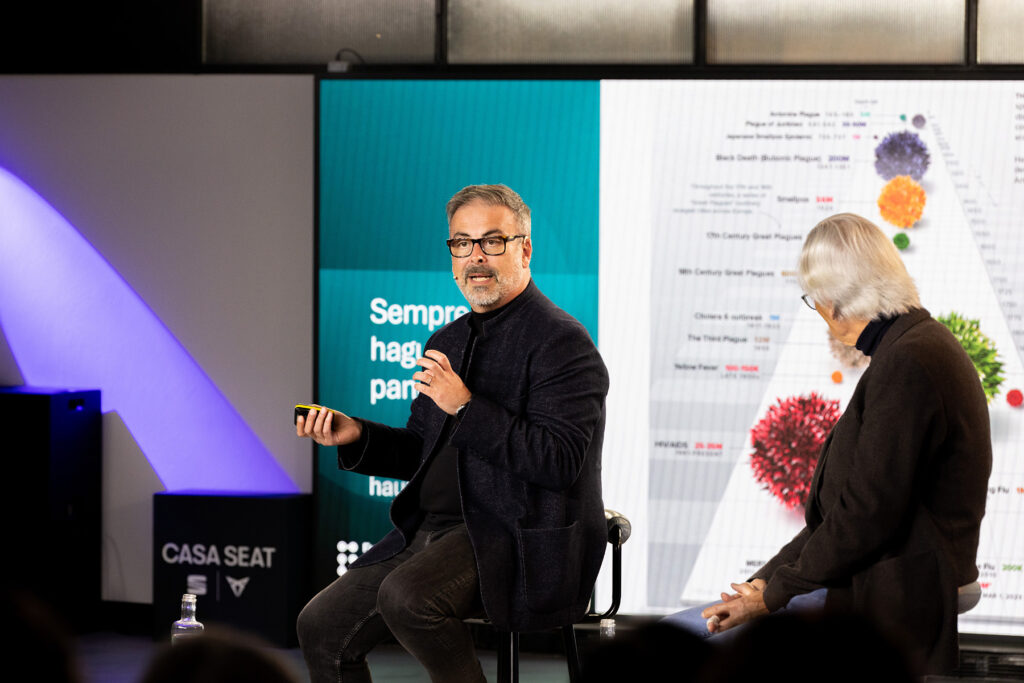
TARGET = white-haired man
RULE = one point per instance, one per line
(895, 507)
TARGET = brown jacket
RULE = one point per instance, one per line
(897, 499)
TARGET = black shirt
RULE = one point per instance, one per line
(871, 336)
(439, 493)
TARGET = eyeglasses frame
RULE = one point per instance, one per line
(478, 241)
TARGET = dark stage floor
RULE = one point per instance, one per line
(115, 658)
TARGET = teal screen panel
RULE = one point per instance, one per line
(391, 154)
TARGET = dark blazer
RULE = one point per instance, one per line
(529, 461)
(897, 499)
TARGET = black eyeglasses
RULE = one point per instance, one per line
(809, 301)
(492, 245)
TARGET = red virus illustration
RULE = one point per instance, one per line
(787, 442)
(902, 201)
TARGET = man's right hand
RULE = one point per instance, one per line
(328, 427)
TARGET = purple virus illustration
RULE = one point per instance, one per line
(901, 153)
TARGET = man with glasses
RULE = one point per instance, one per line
(502, 516)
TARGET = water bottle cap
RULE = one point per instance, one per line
(607, 623)
(188, 597)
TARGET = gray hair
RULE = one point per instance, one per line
(492, 195)
(847, 261)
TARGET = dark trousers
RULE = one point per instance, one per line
(420, 596)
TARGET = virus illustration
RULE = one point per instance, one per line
(901, 201)
(980, 350)
(901, 240)
(918, 121)
(787, 442)
(848, 356)
(901, 153)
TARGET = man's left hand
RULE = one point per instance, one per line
(442, 384)
(746, 605)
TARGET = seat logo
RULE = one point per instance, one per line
(196, 584)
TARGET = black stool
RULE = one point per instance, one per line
(619, 529)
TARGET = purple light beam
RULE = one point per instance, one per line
(72, 321)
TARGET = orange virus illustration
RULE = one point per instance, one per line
(902, 201)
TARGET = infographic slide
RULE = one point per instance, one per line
(744, 380)
(668, 217)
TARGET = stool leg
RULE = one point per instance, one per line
(508, 657)
(504, 650)
(515, 658)
(572, 655)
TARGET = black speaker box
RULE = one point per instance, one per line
(52, 504)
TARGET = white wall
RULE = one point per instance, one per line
(199, 192)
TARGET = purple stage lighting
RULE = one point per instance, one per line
(70, 320)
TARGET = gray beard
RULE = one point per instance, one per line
(483, 297)
(489, 297)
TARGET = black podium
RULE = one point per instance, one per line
(52, 502)
(246, 557)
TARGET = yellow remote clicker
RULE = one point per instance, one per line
(303, 410)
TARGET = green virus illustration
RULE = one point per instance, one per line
(980, 350)
(901, 241)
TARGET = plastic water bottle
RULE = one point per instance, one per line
(607, 629)
(187, 626)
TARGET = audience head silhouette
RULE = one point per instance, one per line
(218, 656)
